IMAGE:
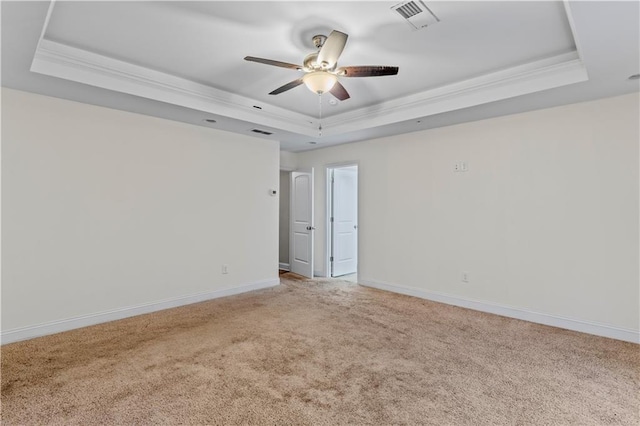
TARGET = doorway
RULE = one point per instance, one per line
(283, 246)
(342, 221)
(296, 233)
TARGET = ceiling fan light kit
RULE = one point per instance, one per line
(319, 81)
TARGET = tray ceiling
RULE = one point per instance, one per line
(190, 55)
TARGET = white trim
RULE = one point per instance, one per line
(71, 63)
(520, 80)
(327, 220)
(284, 266)
(572, 25)
(46, 23)
(53, 327)
(319, 274)
(589, 327)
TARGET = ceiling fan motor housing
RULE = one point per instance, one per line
(311, 64)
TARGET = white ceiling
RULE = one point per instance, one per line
(184, 61)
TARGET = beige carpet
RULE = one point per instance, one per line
(320, 352)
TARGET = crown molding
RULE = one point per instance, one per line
(535, 76)
(82, 66)
(71, 63)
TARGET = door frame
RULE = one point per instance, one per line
(288, 170)
(327, 216)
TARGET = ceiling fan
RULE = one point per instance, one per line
(321, 71)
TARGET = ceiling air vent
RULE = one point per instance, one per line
(416, 14)
(262, 132)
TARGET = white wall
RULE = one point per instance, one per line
(544, 221)
(105, 210)
(288, 161)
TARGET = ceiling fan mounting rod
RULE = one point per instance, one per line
(318, 40)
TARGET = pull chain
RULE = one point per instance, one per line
(320, 114)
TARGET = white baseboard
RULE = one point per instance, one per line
(53, 327)
(522, 314)
(319, 274)
(284, 266)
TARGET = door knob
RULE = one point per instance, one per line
(310, 228)
(355, 226)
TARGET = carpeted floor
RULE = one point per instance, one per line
(321, 352)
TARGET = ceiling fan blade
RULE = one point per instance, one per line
(367, 71)
(339, 92)
(287, 86)
(331, 49)
(272, 62)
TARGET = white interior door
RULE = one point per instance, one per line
(344, 229)
(301, 234)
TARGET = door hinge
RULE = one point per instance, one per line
(331, 259)
(331, 220)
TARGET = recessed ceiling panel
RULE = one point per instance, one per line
(205, 42)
